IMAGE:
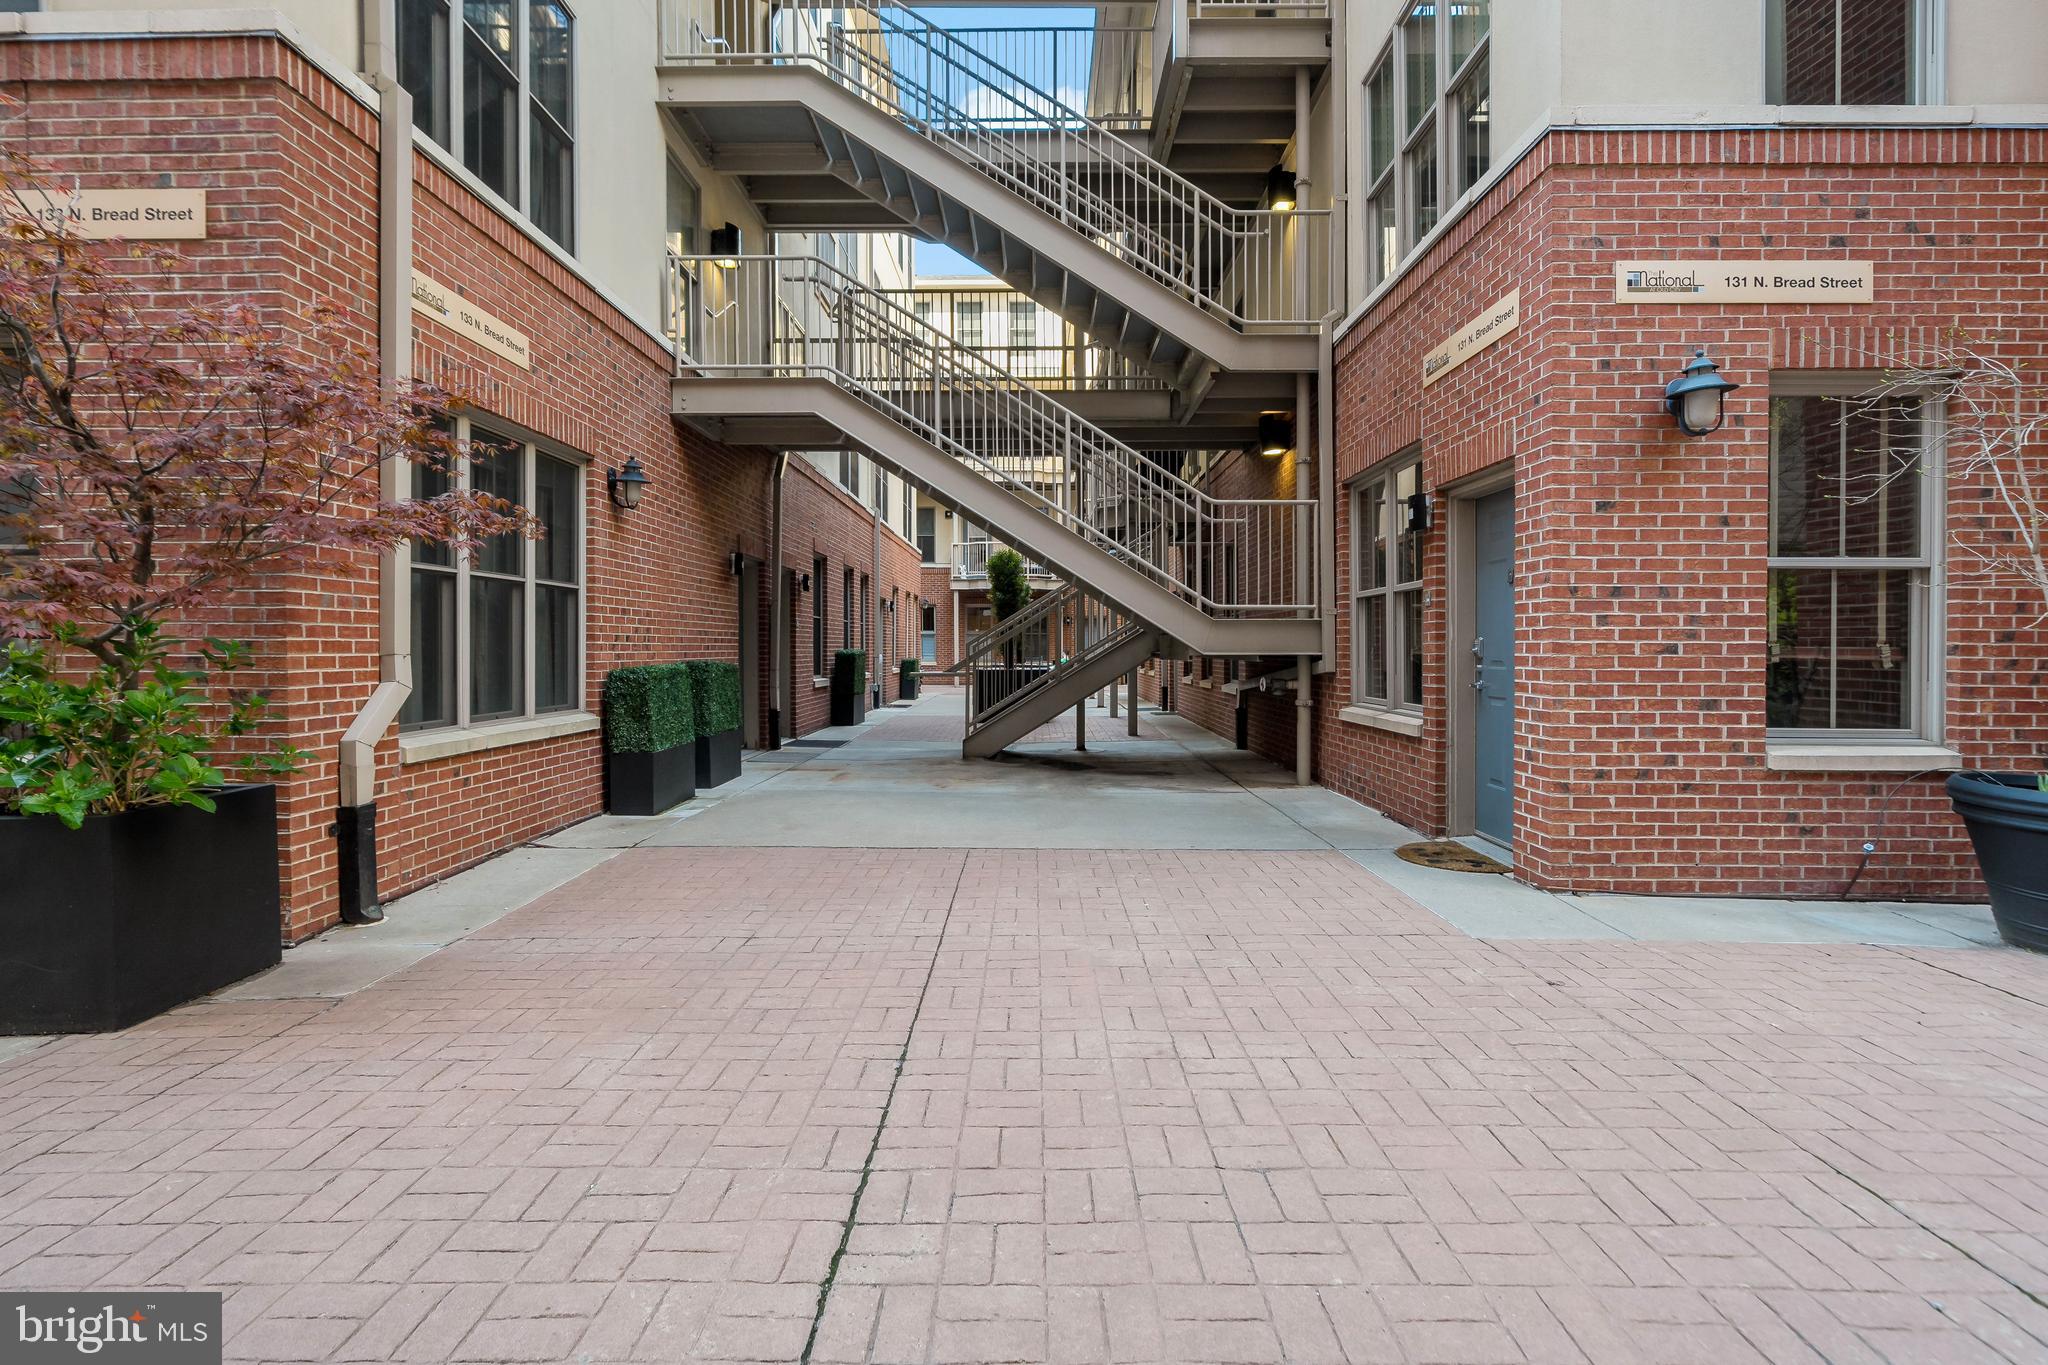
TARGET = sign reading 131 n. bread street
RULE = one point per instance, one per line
(1745, 282)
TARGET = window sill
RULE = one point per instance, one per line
(428, 745)
(1373, 718)
(820, 684)
(1824, 756)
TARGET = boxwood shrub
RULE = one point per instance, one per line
(648, 708)
(715, 684)
(849, 673)
(909, 668)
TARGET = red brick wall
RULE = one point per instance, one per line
(289, 160)
(1641, 555)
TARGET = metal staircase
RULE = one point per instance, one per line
(791, 353)
(1045, 660)
(842, 114)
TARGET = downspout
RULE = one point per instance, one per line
(1305, 454)
(873, 608)
(778, 614)
(355, 826)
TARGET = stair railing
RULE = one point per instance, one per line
(800, 317)
(1252, 267)
(1055, 636)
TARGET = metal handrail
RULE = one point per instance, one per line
(1077, 627)
(783, 317)
(1251, 267)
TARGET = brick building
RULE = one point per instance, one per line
(1322, 366)
(499, 738)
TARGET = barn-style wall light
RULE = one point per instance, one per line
(1697, 399)
(1281, 190)
(727, 246)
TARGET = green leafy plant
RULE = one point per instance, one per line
(849, 673)
(648, 708)
(716, 686)
(1009, 591)
(133, 731)
(908, 669)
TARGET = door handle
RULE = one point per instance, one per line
(1479, 647)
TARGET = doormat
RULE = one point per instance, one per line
(1448, 855)
(812, 743)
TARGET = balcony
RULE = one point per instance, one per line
(970, 564)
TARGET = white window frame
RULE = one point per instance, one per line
(1927, 81)
(1926, 673)
(461, 568)
(1379, 484)
(525, 103)
(1438, 131)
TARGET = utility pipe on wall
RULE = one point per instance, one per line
(780, 604)
(355, 826)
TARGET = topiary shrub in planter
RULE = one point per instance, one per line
(909, 676)
(2007, 816)
(649, 738)
(849, 687)
(715, 692)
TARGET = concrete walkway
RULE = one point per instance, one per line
(722, 1088)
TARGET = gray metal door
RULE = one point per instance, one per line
(750, 654)
(1493, 650)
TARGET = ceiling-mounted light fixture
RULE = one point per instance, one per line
(1280, 190)
(727, 246)
(1276, 434)
(1697, 399)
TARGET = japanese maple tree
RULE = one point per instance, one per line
(159, 457)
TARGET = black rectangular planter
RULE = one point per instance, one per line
(648, 784)
(105, 926)
(718, 758)
(849, 710)
(909, 687)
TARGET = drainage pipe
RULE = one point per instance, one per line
(780, 604)
(355, 826)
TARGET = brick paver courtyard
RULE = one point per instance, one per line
(1158, 1106)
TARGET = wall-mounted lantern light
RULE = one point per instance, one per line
(803, 582)
(1418, 512)
(727, 246)
(627, 486)
(1280, 190)
(1276, 434)
(1697, 398)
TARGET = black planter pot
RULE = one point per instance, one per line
(910, 687)
(851, 709)
(648, 784)
(2007, 816)
(104, 926)
(717, 758)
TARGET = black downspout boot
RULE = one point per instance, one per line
(355, 837)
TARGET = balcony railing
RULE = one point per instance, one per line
(1259, 9)
(1033, 343)
(970, 561)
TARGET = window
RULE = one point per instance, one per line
(498, 634)
(928, 633)
(17, 502)
(928, 534)
(820, 603)
(550, 145)
(846, 601)
(1428, 104)
(513, 65)
(1855, 534)
(423, 64)
(685, 211)
(881, 490)
(1386, 589)
(867, 633)
(967, 322)
(1850, 51)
